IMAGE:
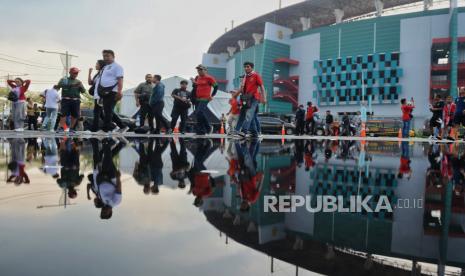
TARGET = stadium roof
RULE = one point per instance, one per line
(319, 11)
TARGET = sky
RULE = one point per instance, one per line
(148, 36)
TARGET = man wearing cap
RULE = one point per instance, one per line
(71, 89)
(203, 85)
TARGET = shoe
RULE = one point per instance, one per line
(124, 130)
(232, 133)
(182, 132)
(19, 129)
(169, 131)
(240, 135)
(60, 130)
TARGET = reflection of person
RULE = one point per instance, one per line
(156, 162)
(17, 166)
(201, 182)
(106, 179)
(404, 168)
(249, 179)
(50, 160)
(70, 165)
(141, 169)
(179, 163)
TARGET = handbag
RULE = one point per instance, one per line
(246, 100)
(12, 96)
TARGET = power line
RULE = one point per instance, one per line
(27, 64)
(25, 60)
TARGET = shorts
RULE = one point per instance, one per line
(70, 108)
(459, 119)
(433, 122)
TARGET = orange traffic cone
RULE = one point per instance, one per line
(176, 129)
(65, 127)
(283, 131)
(222, 128)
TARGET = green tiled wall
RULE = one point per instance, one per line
(342, 80)
(219, 74)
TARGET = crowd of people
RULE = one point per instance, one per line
(448, 115)
(106, 87)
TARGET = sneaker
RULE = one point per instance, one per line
(240, 135)
(232, 133)
(60, 130)
(124, 130)
(19, 129)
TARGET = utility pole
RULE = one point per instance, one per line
(67, 58)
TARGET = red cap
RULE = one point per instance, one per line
(73, 70)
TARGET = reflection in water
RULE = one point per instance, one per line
(229, 180)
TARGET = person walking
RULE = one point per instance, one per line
(181, 106)
(300, 120)
(407, 109)
(110, 89)
(448, 117)
(203, 85)
(93, 91)
(309, 119)
(142, 93)
(33, 113)
(157, 104)
(329, 123)
(71, 89)
(234, 112)
(52, 98)
(435, 123)
(459, 115)
(19, 87)
(252, 93)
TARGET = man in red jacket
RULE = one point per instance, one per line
(311, 110)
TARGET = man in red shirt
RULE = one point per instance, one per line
(233, 114)
(203, 94)
(407, 109)
(252, 92)
(310, 123)
(250, 179)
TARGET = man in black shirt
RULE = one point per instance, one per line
(181, 105)
(436, 120)
(300, 120)
(329, 123)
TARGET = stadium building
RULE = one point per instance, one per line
(344, 54)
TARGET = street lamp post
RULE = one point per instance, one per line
(67, 58)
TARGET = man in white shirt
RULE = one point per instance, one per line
(52, 98)
(111, 90)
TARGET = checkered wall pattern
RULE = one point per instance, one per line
(348, 181)
(341, 80)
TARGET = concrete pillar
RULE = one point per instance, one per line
(427, 4)
(231, 51)
(257, 38)
(339, 14)
(379, 5)
(241, 44)
(306, 23)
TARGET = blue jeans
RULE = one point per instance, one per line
(203, 126)
(50, 119)
(406, 129)
(248, 120)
